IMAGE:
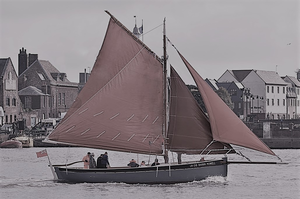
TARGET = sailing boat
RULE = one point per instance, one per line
(125, 106)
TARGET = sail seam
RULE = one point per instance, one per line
(83, 111)
(130, 117)
(101, 134)
(98, 113)
(155, 139)
(155, 119)
(131, 137)
(115, 116)
(85, 131)
(145, 138)
(70, 129)
(145, 118)
(116, 136)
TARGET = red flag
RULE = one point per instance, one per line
(41, 153)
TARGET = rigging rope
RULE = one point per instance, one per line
(152, 29)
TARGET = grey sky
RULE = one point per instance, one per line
(213, 35)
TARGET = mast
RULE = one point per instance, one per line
(165, 92)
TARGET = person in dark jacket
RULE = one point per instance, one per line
(155, 162)
(92, 162)
(103, 161)
(133, 163)
(99, 161)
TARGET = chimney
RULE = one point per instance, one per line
(32, 58)
(23, 62)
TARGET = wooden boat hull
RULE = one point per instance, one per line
(11, 144)
(161, 174)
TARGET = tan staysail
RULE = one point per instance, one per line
(189, 128)
(121, 106)
(225, 125)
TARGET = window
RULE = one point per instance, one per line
(283, 90)
(14, 102)
(268, 90)
(41, 76)
(283, 102)
(278, 102)
(298, 91)
(272, 89)
(268, 102)
(7, 101)
(15, 118)
(27, 102)
(272, 102)
(277, 89)
(59, 98)
(63, 99)
(44, 103)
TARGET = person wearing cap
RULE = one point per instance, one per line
(86, 160)
(104, 161)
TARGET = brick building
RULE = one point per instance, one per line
(43, 88)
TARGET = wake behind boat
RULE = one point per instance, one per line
(130, 105)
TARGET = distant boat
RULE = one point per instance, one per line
(25, 140)
(129, 105)
(12, 143)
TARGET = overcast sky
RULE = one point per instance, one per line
(213, 35)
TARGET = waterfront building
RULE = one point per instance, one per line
(9, 99)
(235, 90)
(292, 97)
(83, 78)
(264, 91)
(43, 88)
(212, 83)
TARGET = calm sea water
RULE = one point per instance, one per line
(23, 175)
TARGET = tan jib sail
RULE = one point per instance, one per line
(189, 128)
(121, 106)
(225, 125)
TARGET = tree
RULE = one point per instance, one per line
(225, 96)
(222, 93)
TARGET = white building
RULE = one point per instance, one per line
(266, 92)
(293, 97)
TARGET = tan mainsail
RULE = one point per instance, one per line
(225, 125)
(120, 107)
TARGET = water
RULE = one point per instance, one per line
(23, 175)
